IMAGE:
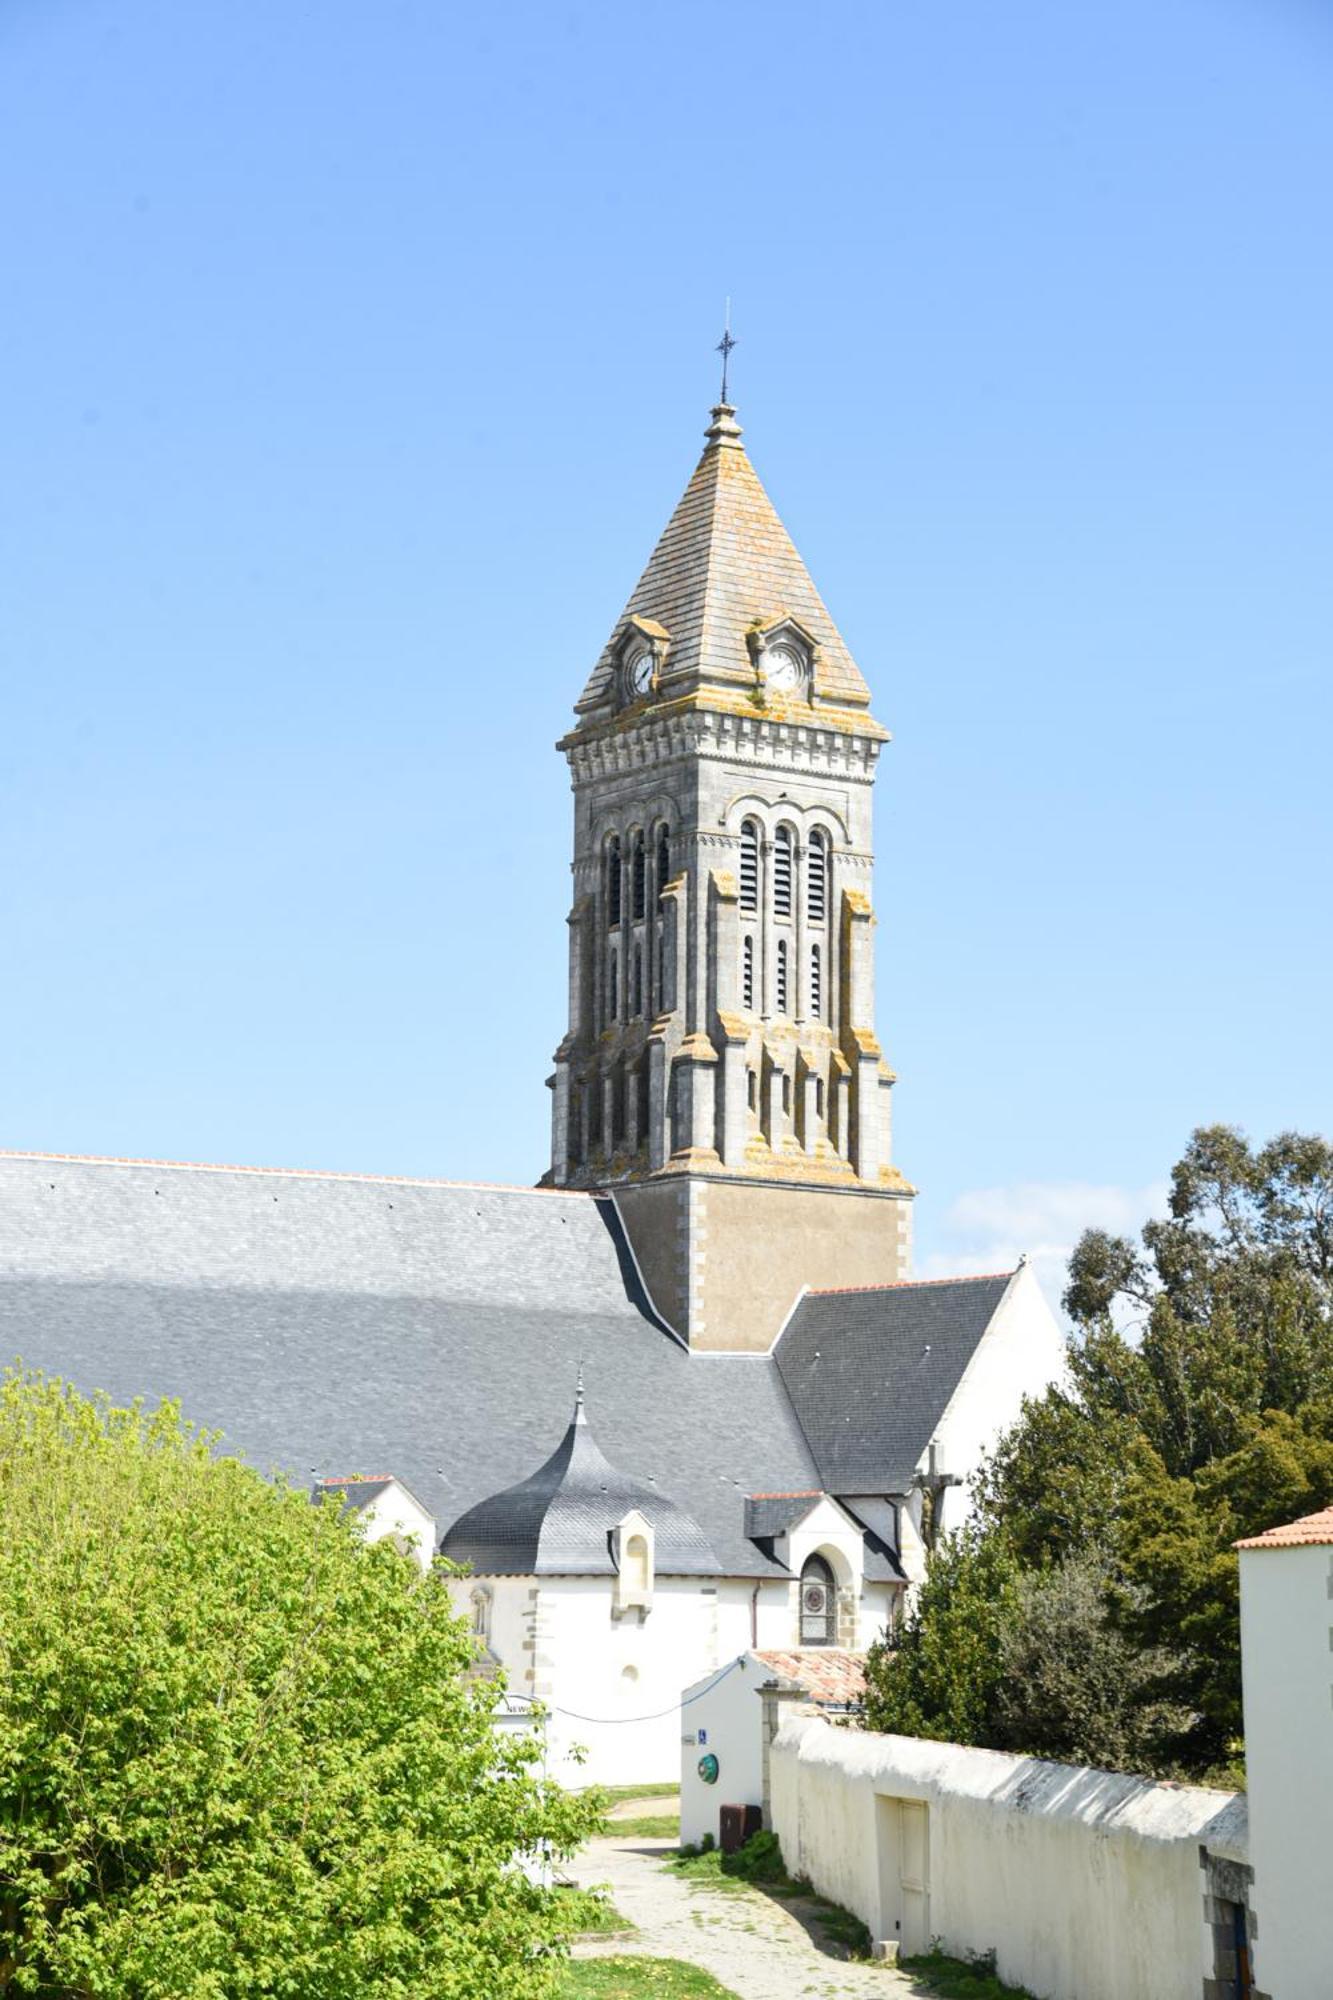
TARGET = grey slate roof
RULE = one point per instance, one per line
(559, 1521)
(328, 1324)
(870, 1373)
(769, 1514)
(355, 1493)
(331, 1324)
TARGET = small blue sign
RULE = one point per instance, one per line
(703, 1736)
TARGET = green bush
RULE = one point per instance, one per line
(242, 1753)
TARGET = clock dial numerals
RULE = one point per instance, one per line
(639, 674)
(783, 669)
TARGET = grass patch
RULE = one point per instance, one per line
(614, 1794)
(637, 1979)
(759, 1863)
(665, 1828)
(584, 1910)
(962, 1978)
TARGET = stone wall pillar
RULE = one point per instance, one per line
(780, 1699)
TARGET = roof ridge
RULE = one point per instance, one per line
(285, 1173)
(911, 1284)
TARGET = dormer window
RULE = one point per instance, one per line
(783, 658)
(642, 653)
(633, 1550)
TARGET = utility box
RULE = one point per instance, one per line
(736, 1824)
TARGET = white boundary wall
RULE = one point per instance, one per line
(1086, 1884)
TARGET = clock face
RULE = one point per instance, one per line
(639, 674)
(783, 669)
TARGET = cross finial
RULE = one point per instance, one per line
(724, 347)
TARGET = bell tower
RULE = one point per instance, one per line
(721, 1074)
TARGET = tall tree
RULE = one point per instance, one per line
(1198, 1408)
(240, 1751)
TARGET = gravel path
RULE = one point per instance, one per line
(754, 1944)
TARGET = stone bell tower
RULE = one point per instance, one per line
(721, 1075)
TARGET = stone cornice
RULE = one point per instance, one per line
(815, 741)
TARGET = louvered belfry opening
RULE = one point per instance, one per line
(750, 867)
(639, 879)
(613, 881)
(782, 872)
(747, 975)
(816, 895)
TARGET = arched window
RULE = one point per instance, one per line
(638, 878)
(752, 1089)
(816, 982)
(818, 1603)
(816, 880)
(750, 865)
(819, 1097)
(747, 974)
(663, 859)
(782, 872)
(782, 975)
(481, 1615)
(613, 881)
(786, 1094)
(637, 1004)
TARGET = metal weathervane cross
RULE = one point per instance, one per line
(724, 347)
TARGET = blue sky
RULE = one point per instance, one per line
(353, 356)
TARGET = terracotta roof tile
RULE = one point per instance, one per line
(1308, 1532)
(831, 1676)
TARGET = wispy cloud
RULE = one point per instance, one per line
(989, 1229)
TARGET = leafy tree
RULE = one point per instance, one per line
(1198, 1408)
(240, 1751)
(942, 1679)
(1073, 1685)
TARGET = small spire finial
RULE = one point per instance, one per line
(724, 347)
(579, 1417)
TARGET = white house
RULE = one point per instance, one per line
(726, 1725)
(1286, 1625)
(387, 1510)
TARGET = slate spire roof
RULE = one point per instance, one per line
(725, 564)
(559, 1521)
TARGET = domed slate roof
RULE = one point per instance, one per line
(559, 1521)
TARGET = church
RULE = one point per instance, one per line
(682, 1399)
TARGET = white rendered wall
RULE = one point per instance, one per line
(396, 1512)
(1286, 1616)
(559, 1641)
(726, 1708)
(1020, 1354)
(1086, 1885)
